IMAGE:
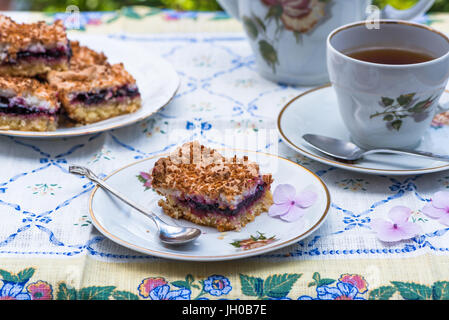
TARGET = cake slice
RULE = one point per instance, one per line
(83, 56)
(27, 104)
(91, 93)
(32, 49)
(204, 187)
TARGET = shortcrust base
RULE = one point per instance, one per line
(176, 210)
(94, 113)
(31, 69)
(28, 123)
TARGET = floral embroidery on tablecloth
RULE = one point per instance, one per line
(160, 289)
(104, 153)
(154, 126)
(418, 216)
(348, 286)
(43, 189)
(203, 61)
(83, 221)
(357, 184)
(245, 83)
(440, 120)
(40, 290)
(246, 125)
(203, 106)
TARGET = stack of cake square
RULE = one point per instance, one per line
(45, 77)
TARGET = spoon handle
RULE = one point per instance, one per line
(91, 176)
(412, 153)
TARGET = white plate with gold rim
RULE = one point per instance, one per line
(131, 229)
(156, 79)
(316, 112)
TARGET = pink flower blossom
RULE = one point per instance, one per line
(149, 284)
(288, 205)
(40, 290)
(356, 280)
(146, 179)
(397, 227)
(297, 15)
(438, 207)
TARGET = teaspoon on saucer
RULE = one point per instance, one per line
(345, 150)
(168, 234)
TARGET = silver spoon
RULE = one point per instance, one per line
(346, 150)
(167, 233)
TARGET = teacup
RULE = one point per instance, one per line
(388, 105)
(288, 37)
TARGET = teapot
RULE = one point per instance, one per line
(288, 37)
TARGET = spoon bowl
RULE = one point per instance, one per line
(348, 151)
(178, 235)
(336, 148)
(168, 234)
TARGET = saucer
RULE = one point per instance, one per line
(316, 112)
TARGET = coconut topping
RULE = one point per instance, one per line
(37, 94)
(91, 78)
(83, 56)
(196, 170)
(16, 37)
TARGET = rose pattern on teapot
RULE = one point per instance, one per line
(297, 16)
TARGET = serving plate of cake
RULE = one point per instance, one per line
(53, 86)
(226, 193)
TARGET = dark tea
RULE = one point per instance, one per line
(390, 55)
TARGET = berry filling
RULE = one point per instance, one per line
(50, 55)
(203, 208)
(18, 106)
(92, 98)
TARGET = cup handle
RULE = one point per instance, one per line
(418, 9)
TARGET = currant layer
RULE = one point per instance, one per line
(49, 55)
(19, 106)
(203, 208)
(103, 95)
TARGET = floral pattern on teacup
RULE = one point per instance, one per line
(407, 105)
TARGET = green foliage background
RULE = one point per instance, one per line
(199, 5)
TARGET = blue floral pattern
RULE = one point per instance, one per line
(13, 291)
(164, 293)
(217, 285)
(342, 291)
(274, 287)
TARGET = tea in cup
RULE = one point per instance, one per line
(388, 81)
